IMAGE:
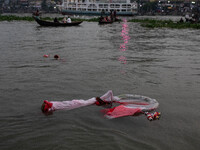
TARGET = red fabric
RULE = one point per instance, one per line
(121, 111)
(97, 103)
(100, 102)
(47, 105)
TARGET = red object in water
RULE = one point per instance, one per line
(149, 116)
(121, 111)
(47, 105)
(46, 56)
(156, 115)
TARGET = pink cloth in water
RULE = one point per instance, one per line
(121, 111)
(68, 105)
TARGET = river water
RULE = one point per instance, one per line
(159, 63)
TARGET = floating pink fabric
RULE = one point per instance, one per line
(121, 111)
(68, 105)
(130, 105)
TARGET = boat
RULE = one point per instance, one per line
(105, 22)
(95, 7)
(108, 20)
(55, 24)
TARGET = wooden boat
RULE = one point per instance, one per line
(102, 20)
(117, 20)
(105, 22)
(56, 24)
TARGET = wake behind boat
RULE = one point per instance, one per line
(55, 24)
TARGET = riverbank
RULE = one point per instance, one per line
(149, 23)
(152, 23)
(30, 18)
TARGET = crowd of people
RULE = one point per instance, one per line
(111, 18)
(64, 20)
(194, 18)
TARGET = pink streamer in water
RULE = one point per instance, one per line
(125, 37)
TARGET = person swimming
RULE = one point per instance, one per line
(56, 57)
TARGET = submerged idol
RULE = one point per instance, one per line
(126, 105)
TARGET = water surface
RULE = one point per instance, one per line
(160, 63)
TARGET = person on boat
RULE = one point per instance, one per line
(115, 14)
(106, 19)
(50, 106)
(102, 13)
(69, 20)
(181, 20)
(187, 18)
(37, 14)
(64, 20)
(111, 15)
(56, 20)
(101, 18)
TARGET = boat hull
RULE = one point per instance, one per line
(105, 22)
(55, 24)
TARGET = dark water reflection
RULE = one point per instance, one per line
(161, 63)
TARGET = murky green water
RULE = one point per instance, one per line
(160, 63)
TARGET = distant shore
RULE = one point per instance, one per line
(148, 21)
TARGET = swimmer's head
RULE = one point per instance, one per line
(56, 56)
